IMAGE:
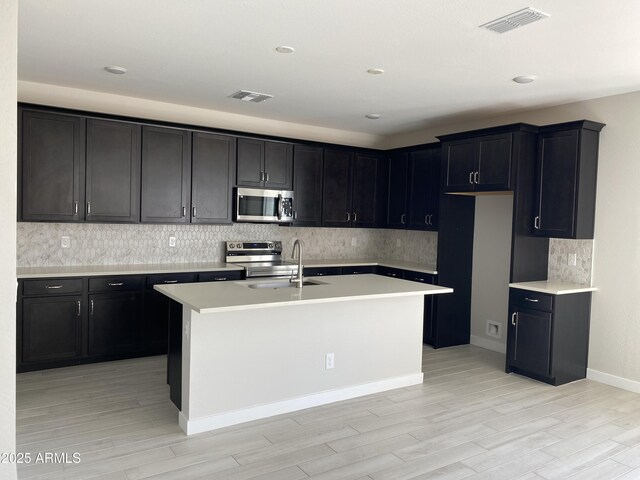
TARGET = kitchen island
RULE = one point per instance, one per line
(240, 351)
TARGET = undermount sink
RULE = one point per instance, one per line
(278, 284)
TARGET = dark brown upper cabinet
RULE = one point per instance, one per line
(113, 171)
(414, 188)
(566, 186)
(166, 165)
(213, 176)
(307, 185)
(264, 164)
(353, 189)
(52, 153)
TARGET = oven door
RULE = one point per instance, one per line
(262, 205)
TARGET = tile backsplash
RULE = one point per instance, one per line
(559, 268)
(39, 244)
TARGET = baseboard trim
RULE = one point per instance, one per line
(488, 344)
(213, 422)
(613, 380)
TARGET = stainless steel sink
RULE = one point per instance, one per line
(278, 284)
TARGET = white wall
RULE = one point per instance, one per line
(8, 155)
(614, 347)
(491, 264)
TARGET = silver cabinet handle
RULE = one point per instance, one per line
(355, 217)
(430, 217)
(319, 274)
(402, 217)
(184, 211)
(88, 208)
(262, 176)
(471, 177)
(295, 214)
(115, 284)
(171, 281)
(91, 307)
(348, 217)
(536, 223)
(266, 174)
(475, 177)
(79, 308)
(393, 274)
(532, 300)
(75, 207)
(193, 209)
(219, 279)
(514, 317)
(52, 287)
(426, 219)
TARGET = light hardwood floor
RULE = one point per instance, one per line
(468, 420)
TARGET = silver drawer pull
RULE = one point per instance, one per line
(514, 316)
(532, 300)
(119, 284)
(53, 287)
(219, 279)
(171, 281)
(418, 279)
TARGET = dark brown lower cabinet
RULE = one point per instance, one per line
(51, 329)
(429, 327)
(114, 323)
(156, 322)
(548, 335)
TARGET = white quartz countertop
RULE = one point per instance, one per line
(96, 270)
(358, 262)
(553, 288)
(237, 295)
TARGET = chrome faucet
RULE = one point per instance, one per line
(298, 279)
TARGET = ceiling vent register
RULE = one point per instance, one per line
(514, 20)
(248, 96)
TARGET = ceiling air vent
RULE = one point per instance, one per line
(248, 96)
(514, 20)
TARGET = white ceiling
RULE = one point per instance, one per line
(440, 67)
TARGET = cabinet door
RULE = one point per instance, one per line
(166, 165)
(307, 186)
(336, 190)
(494, 162)
(397, 203)
(365, 193)
(113, 171)
(250, 166)
(419, 190)
(557, 180)
(155, 331)
(51, 328)
(529, 340)
(52, 153)
(114, 323)
(460, 162)
(277, 165)
(433, 187)
(213, 161)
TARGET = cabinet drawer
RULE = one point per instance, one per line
(115, 284)
(533, 300)
(52, 286)
(390, 272)
(322, 271)
(219, 276)
(420, 277)
(358, 269)
(171, 278)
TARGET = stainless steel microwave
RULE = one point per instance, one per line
(263, 205)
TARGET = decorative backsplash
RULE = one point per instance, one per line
(39, 244)
(559, 268)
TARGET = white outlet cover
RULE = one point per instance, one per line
(354, 242)
(572, 259)
(172, 241)
(494, 329)
(398, 242)
(65, 242)
(329, 361)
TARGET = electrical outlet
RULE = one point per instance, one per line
(398, 242)
(65, 242)
(172, 241)
(494, 329)
(571, 259)
(329, 361)
(354, 242)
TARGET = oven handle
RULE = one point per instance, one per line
(279, 206)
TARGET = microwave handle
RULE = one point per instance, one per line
(279, 206)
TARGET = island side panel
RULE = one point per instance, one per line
(243, 365)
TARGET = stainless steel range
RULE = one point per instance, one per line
(260, 259)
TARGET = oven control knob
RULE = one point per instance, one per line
(271, 245)
(231, 245)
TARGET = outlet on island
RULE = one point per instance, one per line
(329, 361)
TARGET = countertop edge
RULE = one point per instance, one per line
(557, 289)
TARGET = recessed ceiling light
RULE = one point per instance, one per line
(116, 70)
(375, 71)
(285, 49)
(373, 116)
(524, 78)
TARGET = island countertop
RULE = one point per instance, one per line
(238, 295)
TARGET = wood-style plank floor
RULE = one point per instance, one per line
(468, 420)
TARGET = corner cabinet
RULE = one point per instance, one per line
(264, 164)
(548, 335)
(566, 184)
